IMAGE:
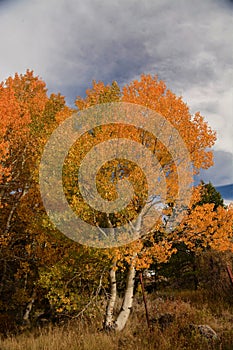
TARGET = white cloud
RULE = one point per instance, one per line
(217, 106)
(222, 171)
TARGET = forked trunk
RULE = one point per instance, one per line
(110, 322)
(122, 318)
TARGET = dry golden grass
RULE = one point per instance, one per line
(84, 335)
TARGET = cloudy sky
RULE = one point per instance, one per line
(188, 44)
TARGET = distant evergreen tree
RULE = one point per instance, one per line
(182, 270)
(209, 194)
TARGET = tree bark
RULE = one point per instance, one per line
(109, 320)
(29, 309)
(144, 299)
(128, 300)
(230, 274)
(124, 313)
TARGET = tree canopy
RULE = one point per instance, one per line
(37, 259)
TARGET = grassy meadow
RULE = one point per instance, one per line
(185, 307)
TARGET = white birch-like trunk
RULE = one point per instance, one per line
(29, 309)
(128, 300)
(124, 313)
(109, 320)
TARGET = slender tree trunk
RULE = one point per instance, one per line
(230, 274)
(109, 320)
(144, 299)
(4, 267)
(124, 313)
(128, 300)
(29, 309)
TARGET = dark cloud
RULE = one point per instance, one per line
(188, 44)
(4, 3)
(183, 42)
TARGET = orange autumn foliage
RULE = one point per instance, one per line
(196, 133)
